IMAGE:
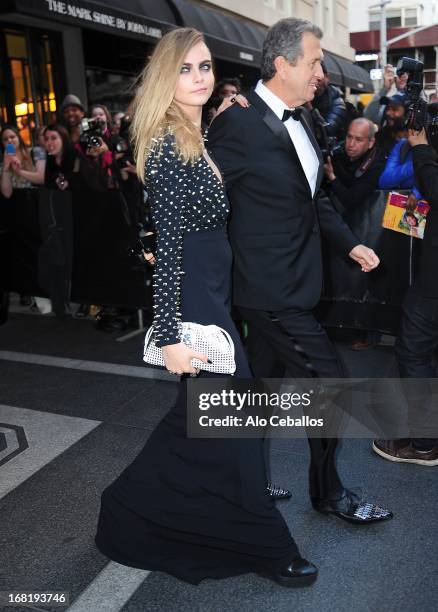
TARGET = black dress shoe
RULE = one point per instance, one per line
(352, 509)
(278, 492)
(299, 573)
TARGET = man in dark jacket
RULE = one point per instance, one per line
(273, 171)
(331, 106)
(418, 339)
(353, 172)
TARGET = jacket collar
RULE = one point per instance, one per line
(278, 128)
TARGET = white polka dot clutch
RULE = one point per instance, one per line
(210, 340)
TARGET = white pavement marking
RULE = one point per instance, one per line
(110, 590)
(89, 366)
(48, 435)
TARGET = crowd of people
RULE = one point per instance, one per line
(364, 149)
(74, 159)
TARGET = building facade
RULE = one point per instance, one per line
(402, 17)
(365, 15)
(330, 15)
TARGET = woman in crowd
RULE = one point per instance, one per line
(18, 171)
(100, 112)
(16, 157)
(192, 507)
(68, 174)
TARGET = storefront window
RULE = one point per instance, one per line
(24, 108)
(30, 99)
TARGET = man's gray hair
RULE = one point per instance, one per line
(372, 128)
(284, 38)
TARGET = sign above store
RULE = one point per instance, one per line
(129, 18)
(78, 12)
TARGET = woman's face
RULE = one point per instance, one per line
(196, 80)
(10, 137)
(99, 113)
(53, 143)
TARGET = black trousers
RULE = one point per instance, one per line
(293, 343)
(415, 349)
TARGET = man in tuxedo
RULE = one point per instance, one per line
(273, 170)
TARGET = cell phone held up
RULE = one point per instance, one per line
(10, 149)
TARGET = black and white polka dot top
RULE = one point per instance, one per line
(184, 198)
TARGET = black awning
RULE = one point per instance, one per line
(132, 18)
(228, 38)
(353, 76)
(334, 72)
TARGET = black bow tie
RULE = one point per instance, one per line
(295, 114)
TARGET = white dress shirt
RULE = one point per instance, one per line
(304, 148)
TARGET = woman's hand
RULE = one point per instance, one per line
(229, 101)
(178, 358)
(8, 161)
(16, 165)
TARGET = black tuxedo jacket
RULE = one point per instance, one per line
(274, 224)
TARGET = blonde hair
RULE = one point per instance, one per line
(155, 111)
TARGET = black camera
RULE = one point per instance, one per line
(92, 131)
(329, 145)
(144, 244)
(416, 115)
(121, 143)
(414, 69)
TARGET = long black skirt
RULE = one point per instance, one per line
(197, 508)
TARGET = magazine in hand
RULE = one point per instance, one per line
(400, 215)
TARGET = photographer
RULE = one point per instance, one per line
(393, 127)
(393, 84)
(331, 106)
(353, 172)
(418, 338)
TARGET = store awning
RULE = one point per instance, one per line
(228, 38)
(344, 73)
(333, 70)
(133, 18)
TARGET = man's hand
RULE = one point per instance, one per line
(417, 138)
(365, 257)
(328, 168)
(388, 76)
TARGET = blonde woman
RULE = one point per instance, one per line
(194, 508)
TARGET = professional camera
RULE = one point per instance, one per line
(414, 69)
(121, 143)
(329, 145)
(92, 131)
(416, 115)
(144, 244)
(419, 114)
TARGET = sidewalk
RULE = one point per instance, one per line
(86, 417)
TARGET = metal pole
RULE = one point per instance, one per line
(383, 42)
(383, 47)
(436, 69)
